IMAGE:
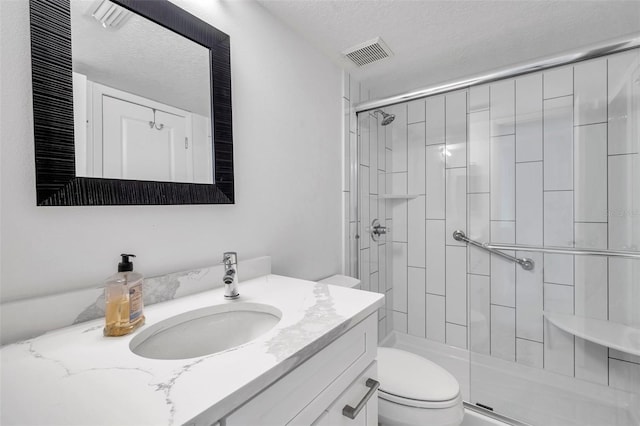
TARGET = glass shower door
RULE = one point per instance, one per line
(554, 176)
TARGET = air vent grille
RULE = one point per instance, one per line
(110, 15)
(368, 52)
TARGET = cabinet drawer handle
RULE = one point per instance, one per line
(351, 412)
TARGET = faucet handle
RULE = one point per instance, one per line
(230, 258)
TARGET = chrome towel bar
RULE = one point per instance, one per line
(526, 263)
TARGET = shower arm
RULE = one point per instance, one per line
(526, 263)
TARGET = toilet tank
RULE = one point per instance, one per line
(342, 281)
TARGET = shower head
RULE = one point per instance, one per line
(386, 118)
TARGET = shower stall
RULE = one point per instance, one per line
(500, 216)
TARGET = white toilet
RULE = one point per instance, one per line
(413, 390)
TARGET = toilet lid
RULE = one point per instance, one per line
(411, 376)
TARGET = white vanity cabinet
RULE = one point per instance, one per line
(367, 416)
(315, 361)
(317, 391)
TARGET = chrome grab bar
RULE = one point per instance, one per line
(567, 250)
(526, 263)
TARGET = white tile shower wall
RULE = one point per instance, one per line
(479, 260)
(624, 210)
(503, 169)
(478, 98)
(621, 117)
(456, 203)
(416, 158)
(503, 332)
(502, 107)
(435, 183)
(503, 271)
(529, 118)
(558, 144)
(479, 138)
(399, 265)
(479, 314)
(590, 92)
(590, 173)
(456, 285)
(529, 353)
(416, 308)
(435, 251)
(416, 111)
(529, 202)
(456, 335)
(529, 299)
(416, 232)
(590, 272)
(436, 318)
(456, 129)
(558, 344)
(365, 258)
(435, 110)
(550, 158)
(426, 157)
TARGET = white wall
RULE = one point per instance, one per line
(287, 134)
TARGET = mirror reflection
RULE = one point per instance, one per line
(142, 98)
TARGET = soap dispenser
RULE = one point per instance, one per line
(123, 300)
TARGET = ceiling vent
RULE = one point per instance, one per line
(368, 52)
(110, 15)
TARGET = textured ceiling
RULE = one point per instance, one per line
(438, 41)
(142, 58)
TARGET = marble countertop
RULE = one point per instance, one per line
(75, 376)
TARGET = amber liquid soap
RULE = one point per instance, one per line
(123, 300)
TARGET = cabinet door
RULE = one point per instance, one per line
(300, 397)
(354, 395)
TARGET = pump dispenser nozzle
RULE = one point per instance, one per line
(126, 265)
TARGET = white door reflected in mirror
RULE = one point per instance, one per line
(144, 144)
(127, 76)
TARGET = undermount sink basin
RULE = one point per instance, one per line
(205, 331)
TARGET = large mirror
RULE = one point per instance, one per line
(141, 98)
(132, 104)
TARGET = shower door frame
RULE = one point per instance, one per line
(571, 57)
(604, 48)
(590, 52)
(608, 47)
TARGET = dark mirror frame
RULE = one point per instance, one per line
(51, 64)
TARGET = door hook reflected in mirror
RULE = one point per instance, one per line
(153, 124)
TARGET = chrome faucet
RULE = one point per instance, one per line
(230, 278)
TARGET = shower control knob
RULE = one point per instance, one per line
(376, 230)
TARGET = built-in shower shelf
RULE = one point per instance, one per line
(605, 333)
(399, 196)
